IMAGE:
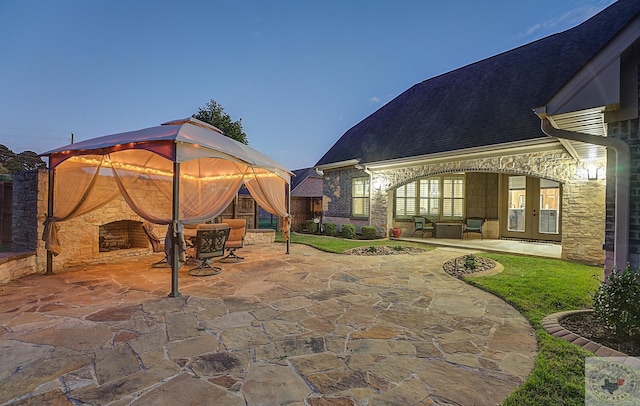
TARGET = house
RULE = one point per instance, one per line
(306, 196)
(541, 141)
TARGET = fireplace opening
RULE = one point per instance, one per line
(122, 234)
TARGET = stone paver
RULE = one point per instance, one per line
(308, 328)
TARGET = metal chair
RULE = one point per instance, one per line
(474, 225)
(422, 224)
(210, 243)
(156, 243)
(236, 238)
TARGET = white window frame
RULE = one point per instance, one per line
(423, 203)
(360, 193)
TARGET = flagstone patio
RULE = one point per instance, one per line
(308, 328)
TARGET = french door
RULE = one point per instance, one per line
(531, 208)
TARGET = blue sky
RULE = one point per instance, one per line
(298, 73)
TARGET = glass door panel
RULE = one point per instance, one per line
(549, 207)
(531, 208)
(517, 203)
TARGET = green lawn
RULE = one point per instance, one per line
(536, 287)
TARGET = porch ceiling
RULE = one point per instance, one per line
(590, 121)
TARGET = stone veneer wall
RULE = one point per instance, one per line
(628, 131)
(583, 202)
(336, 202)
(25, 207)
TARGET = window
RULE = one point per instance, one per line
(436, 197)
(360, 197)
(430, 198)
(453, 197)
(406, 200)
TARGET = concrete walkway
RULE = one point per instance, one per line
(308, 328)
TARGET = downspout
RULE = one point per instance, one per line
(623, 164)
(368, 172)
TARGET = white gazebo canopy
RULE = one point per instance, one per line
(181, 172)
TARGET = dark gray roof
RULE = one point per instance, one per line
(486, 103)
(306, 183)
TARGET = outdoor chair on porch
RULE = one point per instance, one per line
(422, 224)
(209, 244)
(236, 238)
(157, 245)
(474, 225)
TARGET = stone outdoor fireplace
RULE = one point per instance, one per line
(121, 234)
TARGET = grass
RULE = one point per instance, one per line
(536, 287)
(338, 245)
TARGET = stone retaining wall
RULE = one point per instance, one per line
(17, 265)
(256, 236)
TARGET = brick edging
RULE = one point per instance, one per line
(552, 326)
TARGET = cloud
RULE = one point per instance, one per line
(374, 99)
(565, 21)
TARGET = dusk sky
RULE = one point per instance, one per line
(298, 73)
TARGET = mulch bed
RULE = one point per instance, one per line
(587, 325)
(457, 267)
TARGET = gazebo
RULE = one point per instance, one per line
(181, 172)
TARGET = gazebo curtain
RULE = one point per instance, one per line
(144, 179)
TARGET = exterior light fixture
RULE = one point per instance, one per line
(594, 173)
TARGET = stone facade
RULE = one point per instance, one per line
(628, 131)
(336, 202)
(26, 206)
(583, 201)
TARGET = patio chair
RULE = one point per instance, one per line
(157, 245)
(210, 243)
(422, 224)
(236, 238)
(474, 225)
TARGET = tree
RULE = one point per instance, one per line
(25, 161)
(214, 114)
(29, 161)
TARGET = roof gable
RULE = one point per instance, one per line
(489, 102)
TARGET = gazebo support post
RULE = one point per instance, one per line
(175, 219)
(288, 197)
(49, 215)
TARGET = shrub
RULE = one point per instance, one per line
(372, 249)
(330, 229)
(470, 262)
(369, 232)
(615, 303)
(311, 226)
(349, 231)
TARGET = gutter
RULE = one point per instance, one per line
(622, 183)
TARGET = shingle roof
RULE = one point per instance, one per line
(306, 183)
(486, 103)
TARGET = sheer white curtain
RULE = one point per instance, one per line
(81, 184)
(269, 190)
(145, 180)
